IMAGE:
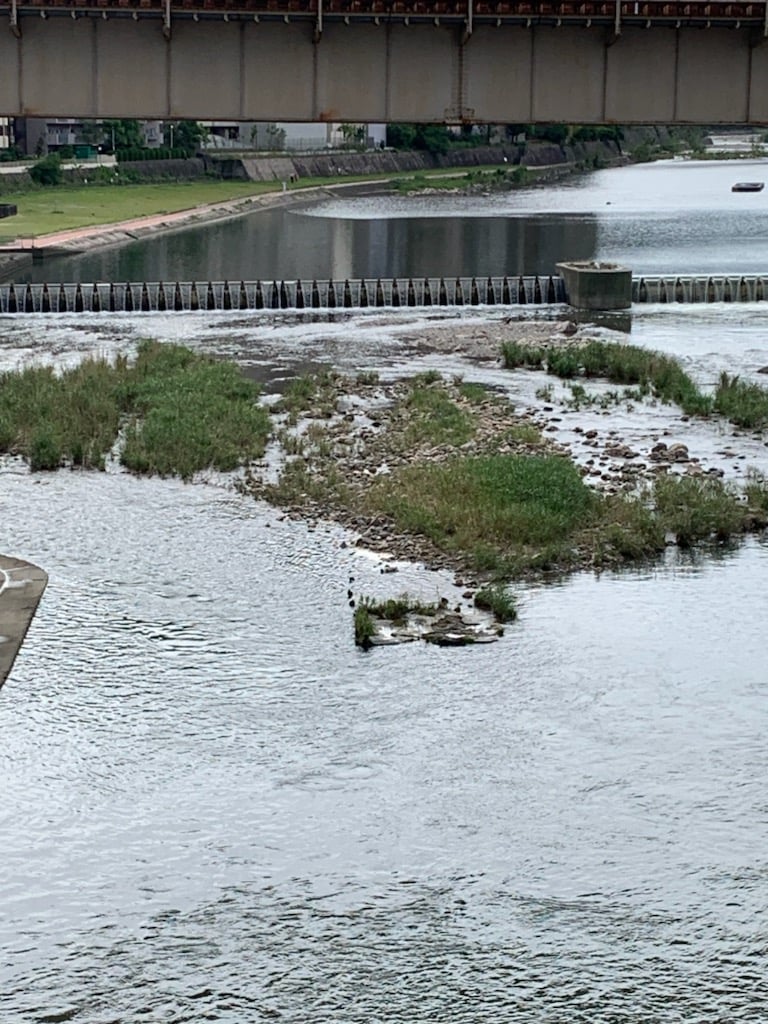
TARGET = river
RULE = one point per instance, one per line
(675, 217)
(216, 808)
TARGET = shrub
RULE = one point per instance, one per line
(46, 171)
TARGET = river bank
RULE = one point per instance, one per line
(17, 256)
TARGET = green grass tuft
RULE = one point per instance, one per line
(365, 627)
(744, 404)
(508, 501)
(698, 509)
(182, 412)
(497, 599)
(651, 373)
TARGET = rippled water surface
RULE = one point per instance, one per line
(215, 808)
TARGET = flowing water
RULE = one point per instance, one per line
(215, 808)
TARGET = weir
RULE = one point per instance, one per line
(700, 288)
(159, 296)
(191, 296)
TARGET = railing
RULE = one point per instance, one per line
(528, 12)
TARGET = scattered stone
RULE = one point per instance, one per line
(678, 453)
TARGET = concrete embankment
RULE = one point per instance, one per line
(377, 162)
(21, 587)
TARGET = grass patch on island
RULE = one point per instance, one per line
(651, 373)
(507, 504)
(497, 599)
(395, 610)
(189, 412)
(180, 412)
(450, 470)
(647, 373)
(742, 403)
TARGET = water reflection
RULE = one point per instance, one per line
(289, 244)
(671, 217)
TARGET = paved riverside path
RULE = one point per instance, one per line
(21, 587)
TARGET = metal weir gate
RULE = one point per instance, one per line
(158, 297)
(701, 288)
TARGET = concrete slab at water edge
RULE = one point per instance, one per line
(21, 587)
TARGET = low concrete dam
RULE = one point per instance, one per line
(271, 295)
(159, 296)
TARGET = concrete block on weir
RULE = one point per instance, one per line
(593, 285)
(21, 587)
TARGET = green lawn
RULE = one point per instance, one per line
(60, 208)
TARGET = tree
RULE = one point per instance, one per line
(434, 138)
(186, 135)
(401, 136)
(353, 134)
(123, 133)
(91, 133)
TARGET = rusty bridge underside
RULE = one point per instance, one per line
(387, 60)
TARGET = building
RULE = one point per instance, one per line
(291, 136)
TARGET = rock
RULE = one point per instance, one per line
(568, 329)
(763, 369)
(678, 453)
